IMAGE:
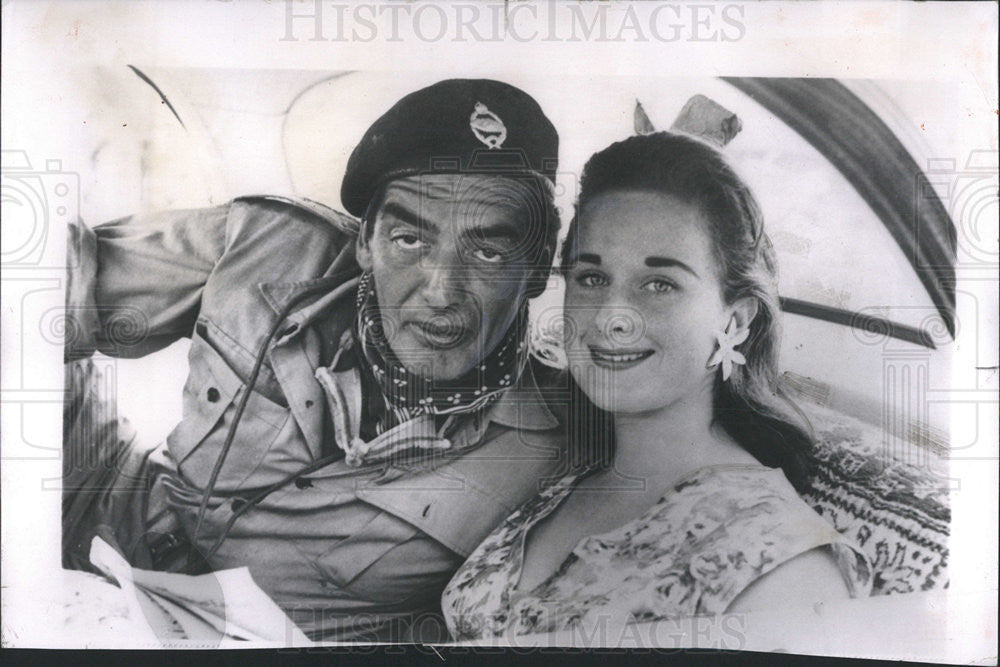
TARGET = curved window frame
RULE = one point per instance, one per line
(861, 146)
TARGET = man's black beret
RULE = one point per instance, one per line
(453, 126)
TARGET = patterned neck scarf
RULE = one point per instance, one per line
(408, 395)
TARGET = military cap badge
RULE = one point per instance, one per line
(487, 126)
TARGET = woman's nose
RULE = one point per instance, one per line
(619, 323)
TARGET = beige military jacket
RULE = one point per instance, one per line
(347, 552)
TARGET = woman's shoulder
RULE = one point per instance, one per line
(731, 493)
(732, 525)
(737, 503)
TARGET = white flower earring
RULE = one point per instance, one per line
(726, 354)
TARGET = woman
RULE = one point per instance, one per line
(693, 511)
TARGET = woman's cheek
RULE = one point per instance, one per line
(681, 336)
(578, 315)
(668, 327)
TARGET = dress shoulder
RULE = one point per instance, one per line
(727, 527)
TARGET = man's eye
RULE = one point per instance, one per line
(407, 241)
(591, 280)
(488, 255)
(659, 286)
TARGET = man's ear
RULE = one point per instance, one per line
(744, 310)
(363, 250)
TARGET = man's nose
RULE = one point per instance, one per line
(443, 286)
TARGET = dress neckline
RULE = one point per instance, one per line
(557, 499)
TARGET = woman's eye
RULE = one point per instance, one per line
(591, 280)
(407, 241)
(488, 255)
(659, 286)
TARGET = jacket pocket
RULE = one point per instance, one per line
(265, 447)
(346, 562)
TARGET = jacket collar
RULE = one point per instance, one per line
(343, 285)
(522, 406)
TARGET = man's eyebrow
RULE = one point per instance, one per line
(500, 229)
(655, 262)
(405, 215)
(589, 258)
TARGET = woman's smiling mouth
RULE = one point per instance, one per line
(618, 359)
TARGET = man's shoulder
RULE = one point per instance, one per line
(299, 208)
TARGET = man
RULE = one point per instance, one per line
(359, 411)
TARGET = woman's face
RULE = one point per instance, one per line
(643, 302)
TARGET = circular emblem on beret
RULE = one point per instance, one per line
(487, 126)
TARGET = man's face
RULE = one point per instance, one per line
(451, 256)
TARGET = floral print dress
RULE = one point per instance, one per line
(692, 553)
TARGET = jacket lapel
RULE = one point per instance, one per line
(296, 349)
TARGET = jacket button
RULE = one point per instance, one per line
(212, 394)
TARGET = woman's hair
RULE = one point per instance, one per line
(750, 406)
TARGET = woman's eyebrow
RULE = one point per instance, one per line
(657, 262)
(589, 258)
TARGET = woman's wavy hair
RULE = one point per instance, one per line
(750, 406)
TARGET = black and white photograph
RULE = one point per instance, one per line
(540, 325)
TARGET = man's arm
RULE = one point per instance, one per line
(135, 284)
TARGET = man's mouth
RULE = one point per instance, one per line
(441, 333)
(618, 359)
